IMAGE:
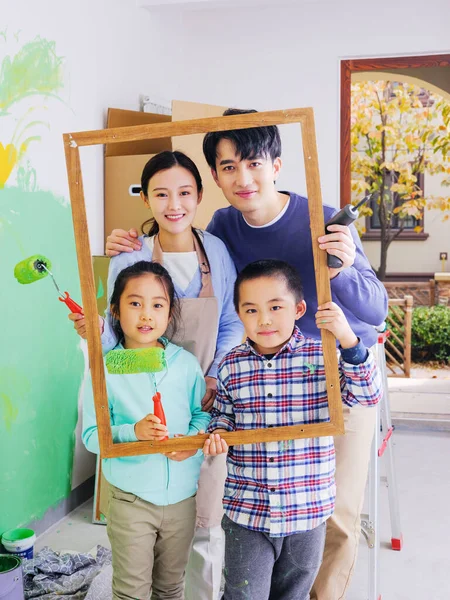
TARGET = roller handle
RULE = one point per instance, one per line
(158, 411)
(71, 304)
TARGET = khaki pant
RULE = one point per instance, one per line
(344, 526)
(150, 546)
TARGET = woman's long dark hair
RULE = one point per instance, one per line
(162, 162)
(138, 270)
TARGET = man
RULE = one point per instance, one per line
(262, 223)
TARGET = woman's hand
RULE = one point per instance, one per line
(122, 241)
(330, 316)
(210, 394)
(79, 324)
(339, 242)
(215, 445)
(150, 428)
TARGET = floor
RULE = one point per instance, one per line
(418, 572)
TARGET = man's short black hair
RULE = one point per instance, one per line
(250, 143)
(270, 268)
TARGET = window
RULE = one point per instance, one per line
(373, 227)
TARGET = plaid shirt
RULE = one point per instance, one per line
(286, 487)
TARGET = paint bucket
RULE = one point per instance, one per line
(11, 578)
(19, 542)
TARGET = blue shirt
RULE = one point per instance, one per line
(356, 289)
(153, 477)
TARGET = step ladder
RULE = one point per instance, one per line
(381, 449)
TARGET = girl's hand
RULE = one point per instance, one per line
(181, 455)
(122, 241)
(330, 316)
(150, 428)
(215, 444)
(79, 324)
(339, 243)
(210, 394)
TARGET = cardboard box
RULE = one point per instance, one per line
(192, 145)
(124, 163)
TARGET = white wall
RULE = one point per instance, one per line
(104, 45)
(285, 57)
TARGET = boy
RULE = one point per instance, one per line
(278, 495)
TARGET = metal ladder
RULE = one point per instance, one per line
(381, 447)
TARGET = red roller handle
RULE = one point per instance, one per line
(158, 410)
(71, 304)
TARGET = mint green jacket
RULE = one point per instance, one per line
(152, 477)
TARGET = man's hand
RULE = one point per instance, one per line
(210, 394)
(150, 428)
(79, 324)
(215, 445)
(330, 316)
(339, 243)
(122, 241)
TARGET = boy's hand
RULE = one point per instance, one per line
(339, 243)
(330, 316)
(150, 428)
(210, 394)
(122, 241)
(79, 324)
(215, 444)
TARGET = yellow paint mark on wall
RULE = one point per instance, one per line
(10, 412)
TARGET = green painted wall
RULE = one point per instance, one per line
(41, 364)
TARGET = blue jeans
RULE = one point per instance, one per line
(260, 567)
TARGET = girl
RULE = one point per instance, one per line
(152, 512)
(204, 275)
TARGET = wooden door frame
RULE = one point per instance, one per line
(349, 66)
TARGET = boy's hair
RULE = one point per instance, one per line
(249, 143)
(138, 270)
(270, 268)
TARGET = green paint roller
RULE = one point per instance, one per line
(139, 360)
(37, 267)
(135, 360)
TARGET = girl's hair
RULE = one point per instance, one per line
(138, 270)
(270, 268)
(162, 162)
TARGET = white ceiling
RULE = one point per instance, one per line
(211, 4)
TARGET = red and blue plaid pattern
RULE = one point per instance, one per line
(282, 488)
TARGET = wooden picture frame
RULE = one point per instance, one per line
(72, 143)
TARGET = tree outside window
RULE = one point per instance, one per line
(399, 132)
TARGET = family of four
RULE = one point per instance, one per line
(286, 515)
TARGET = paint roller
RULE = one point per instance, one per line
(37, 267)
(125, 361)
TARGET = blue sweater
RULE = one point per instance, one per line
(153, 477)
(356, 290)
(230, 330)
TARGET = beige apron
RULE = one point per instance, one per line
(197, 333)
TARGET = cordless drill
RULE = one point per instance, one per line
(345, 216)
